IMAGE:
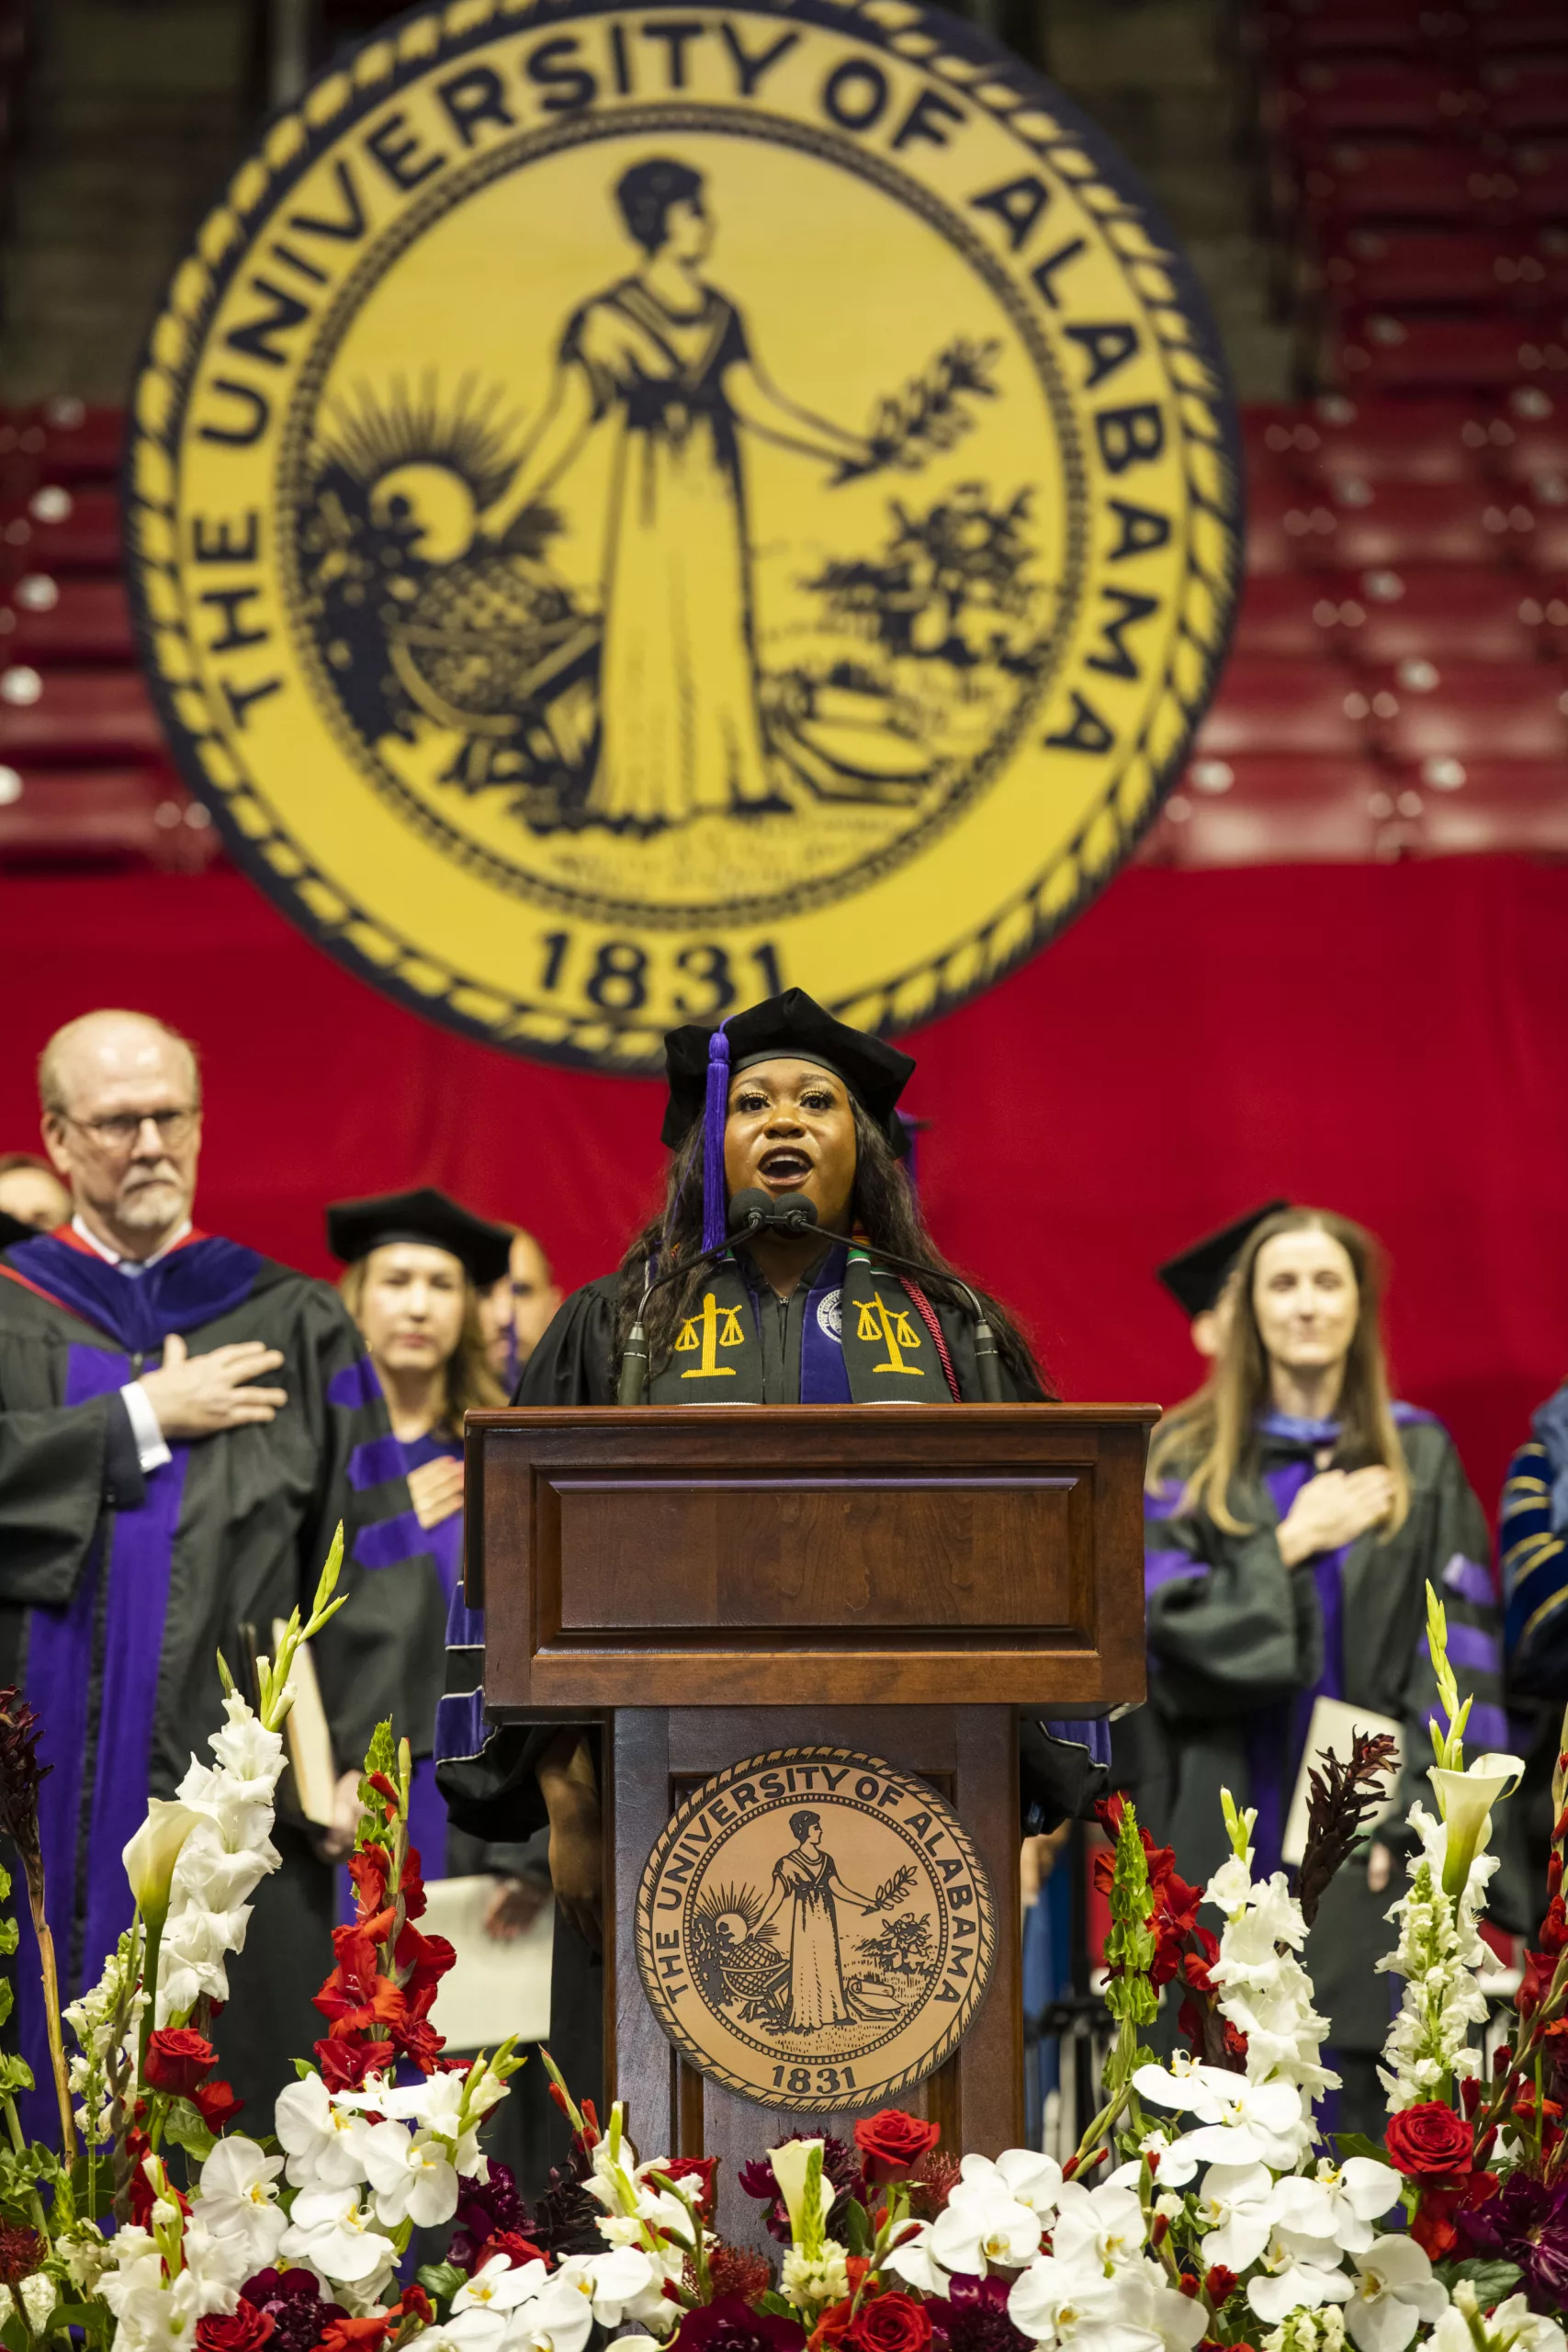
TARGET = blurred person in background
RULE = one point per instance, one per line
(417, 1268)
(177, 1419)
(517, 1310)
(1310, 1512)
(1533, 1557)
(31, 1193)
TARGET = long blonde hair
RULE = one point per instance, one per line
(470, 1384)
(1211, 1440)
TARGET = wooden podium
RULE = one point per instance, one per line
(712, 1584)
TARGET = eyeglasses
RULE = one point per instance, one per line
(120, 1130)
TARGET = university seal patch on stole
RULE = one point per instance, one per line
(815, 1930)
(630, 509)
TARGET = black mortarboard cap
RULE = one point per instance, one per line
(356, 1227)
(14, 1229)
(1197, 1276)
(874, 1072)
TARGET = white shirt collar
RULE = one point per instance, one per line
(112, 1257)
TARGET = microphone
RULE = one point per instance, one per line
(749, 1212)
(796, 1214)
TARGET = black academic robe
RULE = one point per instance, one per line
(489, 1773)
(1237, 1644)
(119, 1588)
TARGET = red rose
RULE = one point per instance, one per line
(892, 2323)
(177, 2058)
(244, 2329)
(699, 2177)
(891, 2142)
(1430, 2142)
(216, 2104)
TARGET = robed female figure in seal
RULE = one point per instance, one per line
(806, 1878)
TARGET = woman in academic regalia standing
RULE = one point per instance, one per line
(785, 1101)
(1305, 1513)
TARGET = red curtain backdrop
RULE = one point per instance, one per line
(1391, 1042)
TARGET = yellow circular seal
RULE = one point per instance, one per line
(633, 509)
(815, 1930)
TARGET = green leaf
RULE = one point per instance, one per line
(1491, 2279)
(442, 2280)
(303, 2068)
(15, 2074)
(9, 1931)
(182, 2124)
(774, 2305)
(1356, 2143)
(857, 2226)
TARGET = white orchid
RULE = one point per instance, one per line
(335, 2234)
(911, 2260)
(323, 2137)
(1338, 2203)
(1511, 2327)
(561, 2317)
(238, 2199)
(984, 2224)
(411, 2179)
(1287, 2284)
(627, 2284)
(1103, 2226)
(482, 2310)
(1241, 2122)
(1237, 2212)
(1076, 2303)
(1395, 2291)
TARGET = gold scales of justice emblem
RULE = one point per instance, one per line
(815, 1930)
(630, 510)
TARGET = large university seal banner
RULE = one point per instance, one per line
(815, 1930)
(632, 509)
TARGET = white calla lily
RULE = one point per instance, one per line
(151, 1855)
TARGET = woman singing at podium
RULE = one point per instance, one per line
(717, 1301)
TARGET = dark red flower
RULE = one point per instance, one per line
(177, 2058)
(244, 2329)
(890, 2322)
(412, 1886)
(1525, 2221)
(729, 2324)
(974, 2318)
(736, 2270)
(216, 2104)
(1219, 2284)
(21, 1773)
(345, 2064)
(698, 2176)
(485, 2210)
(21, 2253)
(841, 2167)
(1430, 2142)
(891, 2143)
(292, 2301)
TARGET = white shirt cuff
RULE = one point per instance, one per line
(151, 1449)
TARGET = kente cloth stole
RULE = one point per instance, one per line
(863, 1341)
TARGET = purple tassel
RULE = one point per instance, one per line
(716, 1113)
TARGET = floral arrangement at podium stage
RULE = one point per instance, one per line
(1202, 2210)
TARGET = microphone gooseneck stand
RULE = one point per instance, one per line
(754, 1212)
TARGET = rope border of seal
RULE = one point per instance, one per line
(936, 984)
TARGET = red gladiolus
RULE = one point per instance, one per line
(345, 2064)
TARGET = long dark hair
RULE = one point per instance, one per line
(885, 1209)
(1211, 1440)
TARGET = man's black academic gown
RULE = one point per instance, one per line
(117, 1588)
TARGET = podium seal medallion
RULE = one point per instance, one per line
(631, 509)
(815, 1930)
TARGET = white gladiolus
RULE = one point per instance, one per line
(1439, 1952)
(38, 2296)
(227, 1854)
(1263, 1989)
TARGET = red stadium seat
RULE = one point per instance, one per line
(1334, 98)
(1481, 806)
(1386, 27)
(1290, 613)
(1527, 95)
(1281, 519)
(1440, 613)
(1528, 433)
(1413, 522)
(1267, 703)
(1375, 440)
(1550, 599)
(1545, 545)
(75, 717)
(1378, 268)
(1369, 180)
(1464, 710)
(1526, 24)
(44, 620)
(75, 817)
(65, 440)
(1265, 808)
(62, 530)
(1540, 174)
(1413, 353)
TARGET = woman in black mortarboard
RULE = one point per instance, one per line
(786, 1100)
